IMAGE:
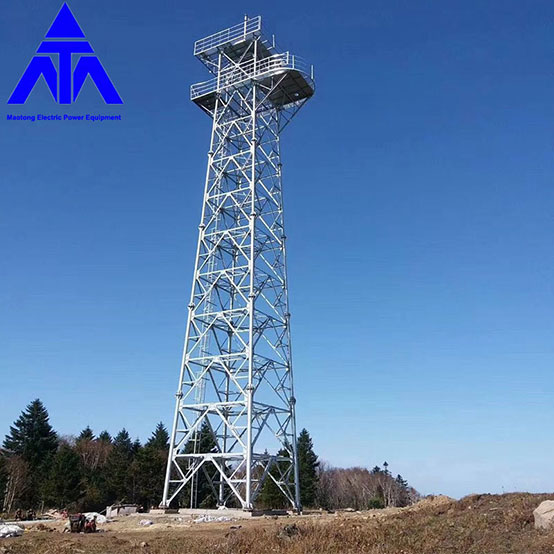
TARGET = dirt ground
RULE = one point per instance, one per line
(478, 524)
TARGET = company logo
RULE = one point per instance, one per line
(65, 38)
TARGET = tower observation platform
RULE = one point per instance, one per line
(242, 54)
(234, 426)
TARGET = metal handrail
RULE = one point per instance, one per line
(250, 69)
(231, 34)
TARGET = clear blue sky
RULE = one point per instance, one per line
(419, 206)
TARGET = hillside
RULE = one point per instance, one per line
(477, 524)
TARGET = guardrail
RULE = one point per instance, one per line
(251, 69)
(232, 34)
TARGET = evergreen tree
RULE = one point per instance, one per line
(122, 442)
(401, 482)
(86, 434)
(32, 438)
(159, 438)
(149, 467)
(64, 484)
(204, 495)
(118, 482)
(271, 496)
(402, 492)
(307, 469)
(104, 436)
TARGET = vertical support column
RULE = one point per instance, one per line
(296, 473)
(252, 295)
(179, 394)
(292, 399)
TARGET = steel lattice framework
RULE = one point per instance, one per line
(236, 375)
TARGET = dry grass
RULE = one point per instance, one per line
(479, 524)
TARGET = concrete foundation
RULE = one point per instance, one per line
(228, 512)
(234, 513)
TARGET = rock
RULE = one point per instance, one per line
(544, 515)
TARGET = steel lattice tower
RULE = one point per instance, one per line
(235, 381)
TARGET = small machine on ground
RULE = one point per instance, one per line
(79, 523)
(76, 523)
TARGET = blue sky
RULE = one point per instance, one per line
(419, 207)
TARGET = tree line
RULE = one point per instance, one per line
(41, 469)
(361, 489)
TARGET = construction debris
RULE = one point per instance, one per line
(99, 517)
(9, 530)
(116, 510)
(206, 518)
(54, 514)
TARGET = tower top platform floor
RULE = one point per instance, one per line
(242, 55)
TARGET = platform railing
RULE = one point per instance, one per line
(251, 69)
(232, 34)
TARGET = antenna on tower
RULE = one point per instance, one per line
(235, 424)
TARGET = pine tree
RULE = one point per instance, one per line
(32, 436)
(104, 436)
(401, 482)
(204, 495)
(136, 447)
(271, 496)
(307, 469)
(118, 483)
(149, 467)
(64, 484)
(122, 442)
(159, 438)
(86, 434)
(402, 494)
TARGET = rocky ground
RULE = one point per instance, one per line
(478, 524)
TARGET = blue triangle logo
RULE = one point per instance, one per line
(65, 25)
